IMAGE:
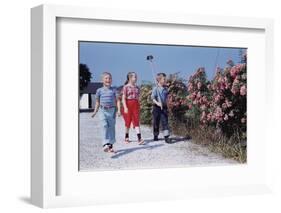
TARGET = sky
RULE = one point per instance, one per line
(121, 58)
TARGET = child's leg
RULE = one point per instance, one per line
(127, 132)
(138, 131)
(104, 125)
(128, 120)
(165, 124)
(156, 120)
(127, 140)
(135, 120)
(111, 117)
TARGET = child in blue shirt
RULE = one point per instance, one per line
(108, 103)
(160, 110)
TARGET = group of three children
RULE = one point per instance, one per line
(108, 105)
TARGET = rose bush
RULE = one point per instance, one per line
(177, 102)
(210, 111)
(222, 102)
(199, 96)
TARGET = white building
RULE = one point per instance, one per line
(87, 96)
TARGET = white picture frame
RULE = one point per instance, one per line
(44, 149)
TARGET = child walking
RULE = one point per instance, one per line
(160, 110)
(108, 103)
(131, 106)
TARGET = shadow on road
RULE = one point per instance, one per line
(173, 139)
(129, 150)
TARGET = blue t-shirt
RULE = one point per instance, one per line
(107, 96)
(160, 92)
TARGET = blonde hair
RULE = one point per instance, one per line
(105, 74)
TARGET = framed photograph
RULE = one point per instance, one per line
(131, 106)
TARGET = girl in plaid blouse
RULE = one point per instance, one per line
(131, 106)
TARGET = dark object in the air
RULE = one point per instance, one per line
(149, 57)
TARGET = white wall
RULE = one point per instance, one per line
(84, 101)
(15, 103)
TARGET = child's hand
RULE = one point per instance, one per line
(159, 104)
(94, 114)
(125, 110)
(118, 113)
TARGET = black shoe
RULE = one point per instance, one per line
(155, 138)
(168, 140)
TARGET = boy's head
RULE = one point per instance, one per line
(161, 78)
(106, 78)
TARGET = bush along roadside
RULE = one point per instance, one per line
(211, 112)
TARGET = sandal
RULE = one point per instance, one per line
(106, 148)
(141, 142)
(111, 149)
(127, 140)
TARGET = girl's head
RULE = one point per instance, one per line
(131, 78)
(161, 78)
(106, 79)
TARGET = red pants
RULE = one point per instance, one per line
(133, 115)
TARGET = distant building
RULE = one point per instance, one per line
(87, 96)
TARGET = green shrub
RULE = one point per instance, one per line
(146, 104)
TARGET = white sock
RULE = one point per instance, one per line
(137, 129)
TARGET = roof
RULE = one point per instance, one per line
(91, 88)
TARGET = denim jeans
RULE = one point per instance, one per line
(160, 116)
(107, 120)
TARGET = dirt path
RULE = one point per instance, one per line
(133, 156)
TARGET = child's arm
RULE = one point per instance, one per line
(97, 105)
(154, 95)
(118, 102)
(124, 102)
(118, 107)
(157, 103)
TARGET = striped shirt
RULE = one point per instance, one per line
(107, 96)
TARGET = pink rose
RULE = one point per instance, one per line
(228, 103)
(199, 84)
(236, 81)
(234, 89)
(209, 116)
(243, 90)
(233, 72)
(203, 115)
(203, 107)
(190, 87)
(231, 114)
(204, 99)
(225, 117)
(198, 95)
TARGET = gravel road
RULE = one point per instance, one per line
(153, 154)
